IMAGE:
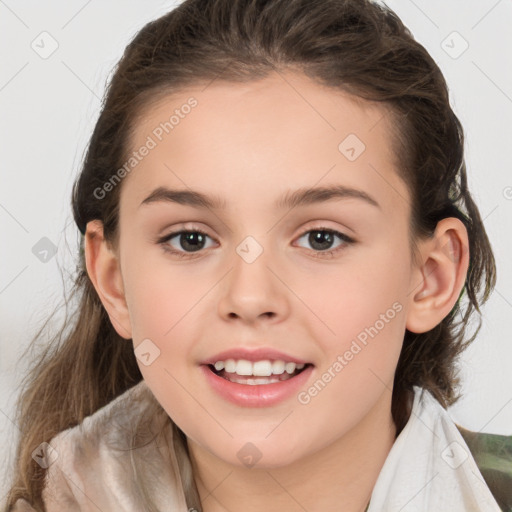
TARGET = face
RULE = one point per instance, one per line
(267, 270)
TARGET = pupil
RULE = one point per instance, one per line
(321, 237)
(191, 241)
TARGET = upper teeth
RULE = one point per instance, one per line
(263, 368)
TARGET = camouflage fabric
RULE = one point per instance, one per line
(493, 455)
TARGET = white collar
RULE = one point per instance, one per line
(430, 467)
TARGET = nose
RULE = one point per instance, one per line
(252, 291)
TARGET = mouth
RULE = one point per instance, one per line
(258, 382)
(257, 373)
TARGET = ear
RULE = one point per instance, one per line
(440, 276)
(105, 273)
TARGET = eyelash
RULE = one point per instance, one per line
(318, 254)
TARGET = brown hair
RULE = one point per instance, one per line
(355, 46)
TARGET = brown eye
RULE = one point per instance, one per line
(183, 242)
(323, 240)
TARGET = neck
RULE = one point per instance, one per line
(341, 476)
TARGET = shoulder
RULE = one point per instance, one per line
(94, 460)
(493, 455)
(22, 505)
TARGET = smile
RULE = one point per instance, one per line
(241, 381)
(256, 373)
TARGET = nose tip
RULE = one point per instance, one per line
(251, 291)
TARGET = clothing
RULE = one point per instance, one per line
(429, 468)
(493, 455)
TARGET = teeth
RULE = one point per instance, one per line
(278, 367)
(233, 377)
(264, 368)
(290, 368)
(261, 368)
(230, 366)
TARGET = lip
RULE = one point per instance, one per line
(258, 354)
(261, 395)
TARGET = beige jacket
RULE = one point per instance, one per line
(90, 467)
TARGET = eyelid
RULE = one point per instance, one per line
(330, 230)
(323, 225)
(183, 227)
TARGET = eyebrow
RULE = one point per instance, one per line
(291, 199)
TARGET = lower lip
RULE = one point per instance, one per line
(261, 395)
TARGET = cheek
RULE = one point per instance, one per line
(359, 359)
(160, 295)
(356, 295)
(162, 301)
(164, 330)
(364, 310)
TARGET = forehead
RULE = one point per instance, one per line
(283, 130)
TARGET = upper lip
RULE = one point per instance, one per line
(257, 354)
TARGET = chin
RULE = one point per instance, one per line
(258, 453)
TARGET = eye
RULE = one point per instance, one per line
(322, 240)
(183, 243)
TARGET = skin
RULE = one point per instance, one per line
(249, 144)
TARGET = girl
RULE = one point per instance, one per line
(280, 257)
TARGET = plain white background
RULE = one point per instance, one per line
(49, 107)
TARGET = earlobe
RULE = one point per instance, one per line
(105, 274)
(440, 278)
